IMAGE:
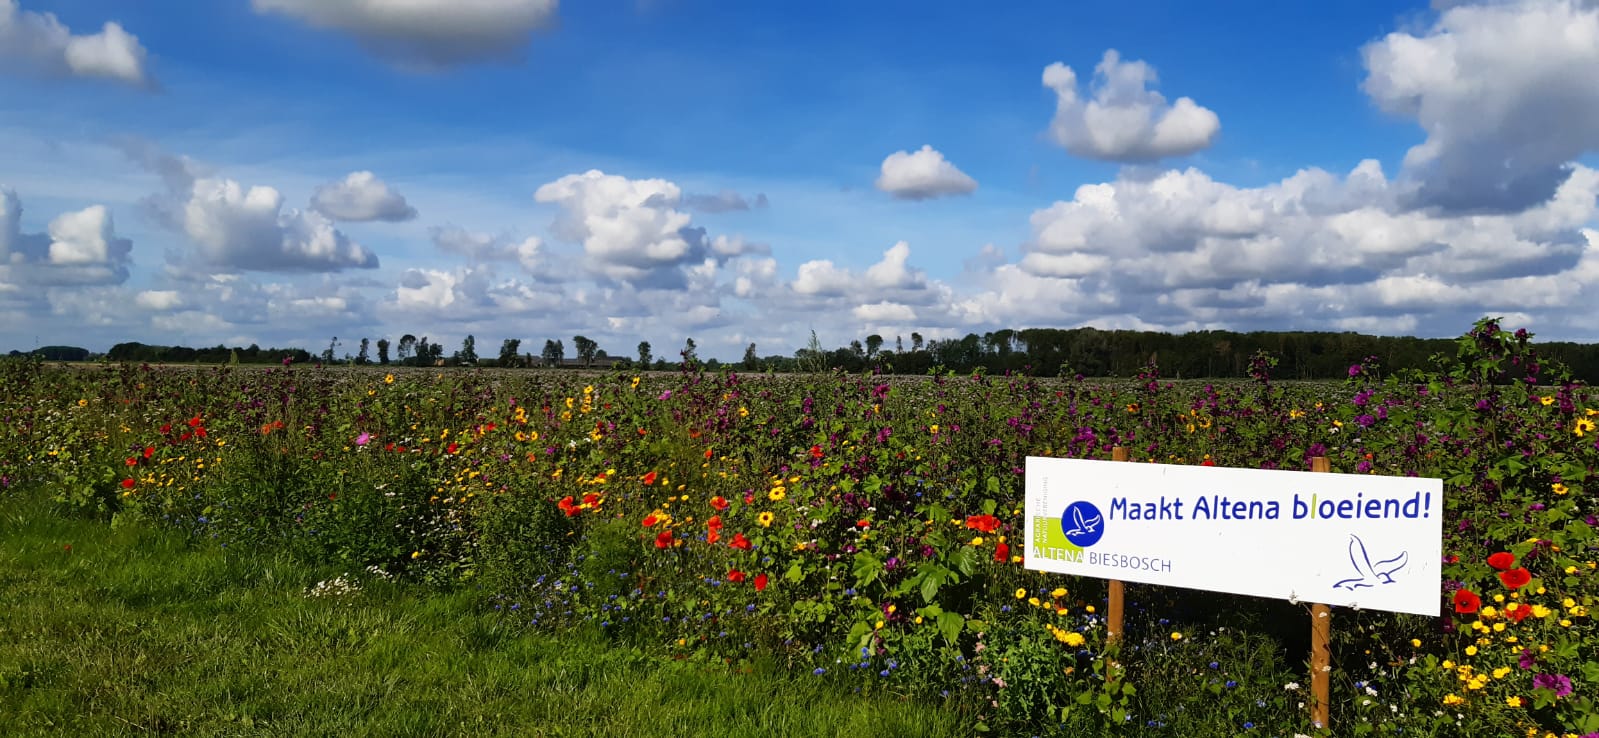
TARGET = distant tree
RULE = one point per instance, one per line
(362, 356)
(899, 344)
(383, 351)
(585, 349)
(873, 343)
(468, 352)
(328, 356)
(508, 351)
(752, 362)
(690, 357)
(916, 341)
(554, 353)
(857, 349)
(644, 355)
(407, 346)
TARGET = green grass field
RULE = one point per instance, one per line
(132, 630)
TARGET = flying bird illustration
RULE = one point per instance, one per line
(1084, 527)
(1371, 574)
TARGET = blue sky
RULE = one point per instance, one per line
(283, 171)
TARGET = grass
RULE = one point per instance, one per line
(131, 630)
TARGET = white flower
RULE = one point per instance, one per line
(1291, 686)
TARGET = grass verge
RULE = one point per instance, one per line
(132, 630)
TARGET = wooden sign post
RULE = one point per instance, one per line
(1117, 594)
(1320, 643)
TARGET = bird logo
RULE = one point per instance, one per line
(1082, 523)
(1370, 574)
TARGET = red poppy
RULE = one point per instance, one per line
(148, 451)
(719, 502)
(863, 523)
(1002, 552)
(663, 539)
(760, 582)
(452, 448)
(1466, 602)
(128, 483)
(735, 576)
(1502, 560)
(816, 452)
(568, 506)
(650, 520)
(715, 523)
(708, 454)
(1515, 578)
(984, 523)
(194, 422)
(132, 461)
(591, 498)
(649, 478)
(166, 428)
(739, 542)
(714, 535)
(1208, 462)
(1517, 611)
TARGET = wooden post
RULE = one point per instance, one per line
(1114, 608)
(1320, 643)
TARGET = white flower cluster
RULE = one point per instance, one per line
(335, 587)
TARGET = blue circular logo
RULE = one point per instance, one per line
(1082, 524)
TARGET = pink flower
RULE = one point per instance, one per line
(363, 439)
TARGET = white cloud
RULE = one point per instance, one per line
(1124, 121)
(894, 272)
(630, 229)
(238, 228)
(361, 196)
(822, 277)
(426, 33)
(158, 300)
(922, 175)
(1505, 94)
(78, 248)
(39, 41)
(885, 313)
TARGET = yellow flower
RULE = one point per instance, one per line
(1502, 672)
(1539, 611)
(83, 403)
(1547, 400)
(1415, 642)
(1176, 635)
(1471, 650)
(1453, 699)
(977, 541)
(1073, 639)
(1513, 701)
(1559, 488)
(1020, 593)
(933, 428)
(388, 379)
(777, 494)
(1058, 593)
(764, 519)
(1582, 427)
(1034, 601)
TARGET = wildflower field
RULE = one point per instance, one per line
(864, 531)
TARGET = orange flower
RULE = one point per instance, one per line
(708, 454)
(984, 523)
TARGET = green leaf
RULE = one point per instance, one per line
(950, 624)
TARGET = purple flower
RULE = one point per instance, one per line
(1527, 660)
(363, 439)
(1560, 683)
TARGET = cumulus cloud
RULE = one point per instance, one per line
(631, 230)
(248, 228)
(922, 175)
(77, 248)
(428, 34)
(480, 247)
(361, 196)
(41, 43)
(1124, 121)
(1505, 94)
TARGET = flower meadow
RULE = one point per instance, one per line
(866, 529)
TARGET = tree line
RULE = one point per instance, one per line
(1089, 352)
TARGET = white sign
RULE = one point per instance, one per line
(1339, 539)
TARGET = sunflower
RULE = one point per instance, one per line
(765, 519)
